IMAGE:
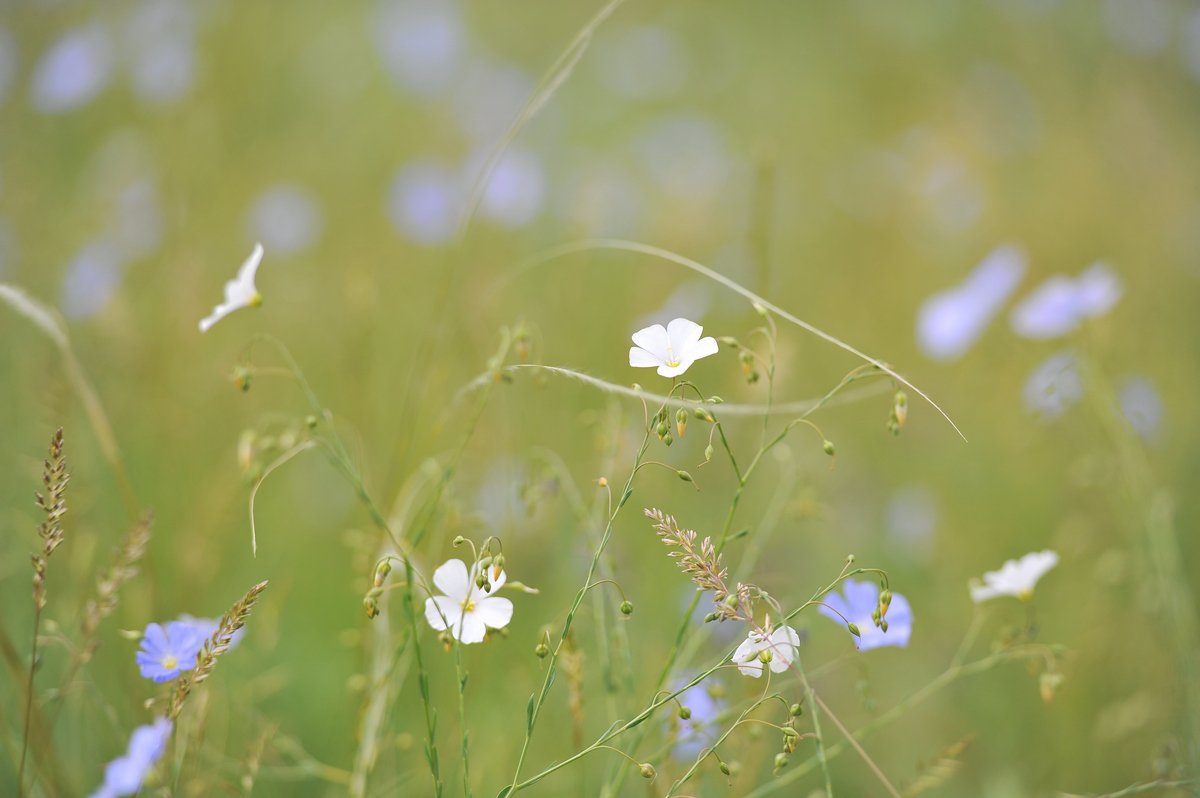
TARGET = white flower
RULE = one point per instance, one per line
(465, 609)
(673, 349)
(1015, 577)
(780, 647)
(239, 292)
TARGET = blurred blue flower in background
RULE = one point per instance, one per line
(911, 519)
(424, 202)
(856, 602)
(286, 219)
(1141, 405)
(1061, 304)
(75, 69)
(91, 278)
(516, 189)
(701, 728)
(162, 50)
(124, 775)
(1053, 386)
(421, 43)
(950, 322)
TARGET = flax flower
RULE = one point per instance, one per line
(778, 649)
(239, 292)
(466, 609)
(673, 349)
(125, 774)
(1015, 577)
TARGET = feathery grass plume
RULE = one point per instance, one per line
(218, 644)
(123, 568)
(54, 505)
(702, 564)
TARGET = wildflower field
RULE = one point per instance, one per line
(629, 398)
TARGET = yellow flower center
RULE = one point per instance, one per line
(468, 605)
(256, 300)
(169, 662)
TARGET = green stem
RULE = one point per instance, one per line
(540, 699)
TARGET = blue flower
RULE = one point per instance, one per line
(124, 775)
(165, 653)
(701, 728)
(857, 602)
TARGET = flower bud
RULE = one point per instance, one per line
(680, 422)
(708, 453)
(795, 710)
(727, 340)
(627, 607)
(725, 769)
(715, 400)
(662, 429)
(712, 616)
(370, 605)
(685, 476)
(900, 408)
(458, 540)
(781, 761)
(704, 415)
(666, 439)
(381, 571)
(685, 713)
(789, 732)
(883, 624)
(828, 447)
(647, 770)
(765, 656)
(241, 378)
(602, 482)
(854, 629)
(541, 650)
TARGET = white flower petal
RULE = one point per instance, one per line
(683, 334)
(674, 371)
(703, 348)
(442, 612)
(239, 292)
(747, 651)
(640, 358)
(497, 582)
(470, 629)
(495, 612)
(752, 668)
(654, 340)
(249, 267)
(452, 579)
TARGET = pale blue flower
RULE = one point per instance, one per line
(855, 605)
(75, 69)
(701, 728)
(124, 775)
(1141, 406)
(1061, 303)
(951, 321)
(1053, 386)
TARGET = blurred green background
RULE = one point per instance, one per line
(847, 161)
